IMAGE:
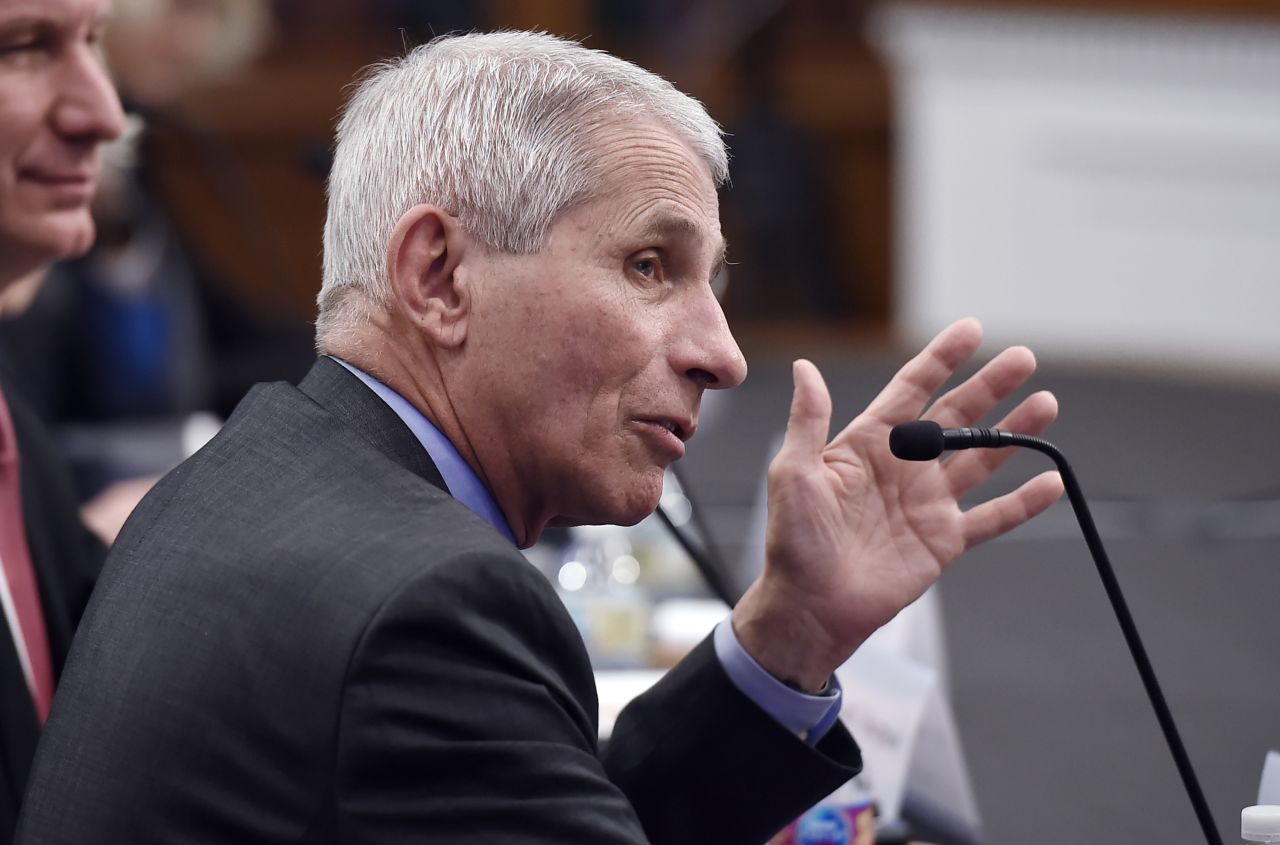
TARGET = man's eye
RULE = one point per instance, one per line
(647, 267)
(23, 46)
(18, 46)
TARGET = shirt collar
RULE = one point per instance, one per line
(464, 485)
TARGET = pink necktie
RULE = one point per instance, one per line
(18, 570)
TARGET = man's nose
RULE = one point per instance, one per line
(87, 107)
(716, 362)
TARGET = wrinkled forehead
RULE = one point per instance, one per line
(617, 132)
(653, 177)
(644, 159)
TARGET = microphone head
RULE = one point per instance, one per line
(920, 440)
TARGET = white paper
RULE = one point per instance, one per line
(938, 785)
(884, 701)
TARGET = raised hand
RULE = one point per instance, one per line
(855, 534)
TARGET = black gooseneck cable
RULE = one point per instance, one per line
(707, 559)
(924, 440)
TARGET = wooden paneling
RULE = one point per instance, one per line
(256, 213)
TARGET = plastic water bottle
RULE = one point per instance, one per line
(597, 582)
(1260, 824)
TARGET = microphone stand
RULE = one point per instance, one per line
(1131, 638)
(707, 560)
(991, 438)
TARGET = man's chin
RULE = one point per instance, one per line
(27, 250)
(77, 236)
(639, 500)
(621, 517)
(49, 238)
(614, 509)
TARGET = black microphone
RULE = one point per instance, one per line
(924, 440)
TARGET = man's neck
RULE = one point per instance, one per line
(392, 355)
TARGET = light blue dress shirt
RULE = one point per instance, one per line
(807, 716)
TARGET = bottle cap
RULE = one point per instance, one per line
(1260, 824)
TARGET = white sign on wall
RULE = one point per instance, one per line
(1101, 187)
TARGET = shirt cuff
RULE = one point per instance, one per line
(807, 716)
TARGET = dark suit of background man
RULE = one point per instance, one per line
(56, 109)
(319, 628)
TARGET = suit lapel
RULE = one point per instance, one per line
(334, 388)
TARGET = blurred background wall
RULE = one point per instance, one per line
(797, 85)
(1098, 178)
(1107, 184)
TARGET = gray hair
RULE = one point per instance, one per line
(496, 129)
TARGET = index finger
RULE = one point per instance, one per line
(905, 396)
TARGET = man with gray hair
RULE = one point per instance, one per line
(319, 629)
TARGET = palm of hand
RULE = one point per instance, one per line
(855, 534)
(863, 533)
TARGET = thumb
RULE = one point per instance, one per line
(810, 420)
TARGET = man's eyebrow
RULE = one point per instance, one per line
(31, 16)
(670, 225)
(679, 226)
(28, 13)
(23, 20)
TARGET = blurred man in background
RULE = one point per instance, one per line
(319, 628)
(57, 108)
(122, 346)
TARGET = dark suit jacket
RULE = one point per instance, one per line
(66, 557)
(300, 638)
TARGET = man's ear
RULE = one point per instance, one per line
(423, 255)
